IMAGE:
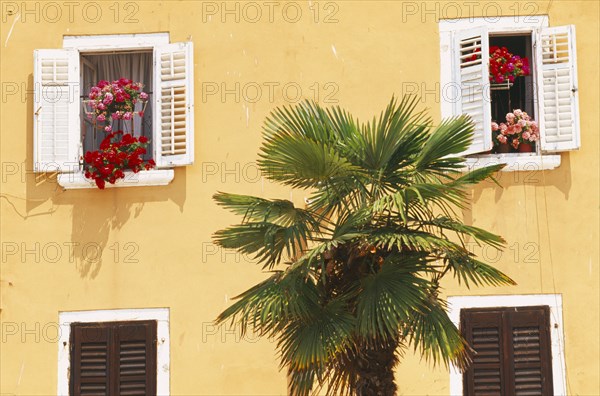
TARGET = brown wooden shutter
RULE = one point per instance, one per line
(529, 334)
(113, 358)
(136, 363)
(512, 351)
(90, 359)
(483, 331)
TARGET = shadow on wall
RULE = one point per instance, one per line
(95, 214)
(559, 178)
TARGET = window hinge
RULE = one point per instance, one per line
(37, 112)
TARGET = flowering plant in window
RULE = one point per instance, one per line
(115, 100)
(505, 66)
(118, 152)
(518, 131)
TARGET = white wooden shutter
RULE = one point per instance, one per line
(471, 75)
(56, 124)
(556, 67)
(174, 104)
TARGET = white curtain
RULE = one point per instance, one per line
(134, 66)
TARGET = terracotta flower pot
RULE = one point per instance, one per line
(503, 148)
(525, 148)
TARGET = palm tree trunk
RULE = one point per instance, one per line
(375, 371)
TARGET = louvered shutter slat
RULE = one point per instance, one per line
(557, 89)
(471, 62)
(56, 111)
(174, 115)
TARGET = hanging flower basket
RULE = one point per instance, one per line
(115, 101)
(504, 66)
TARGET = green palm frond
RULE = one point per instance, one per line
(389, 296)
(431, 332)
(312, 341)
(468, 269)
(479, 234)
(283, 298)
(452, 136)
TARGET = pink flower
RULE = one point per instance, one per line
(143, 95)
(526, 135)
(534, 125)
(517, 128)
(515, 143)
(115, 115)
(518, 112)
(107, 128)
(503, 128)
(510, 117)
(127, 115)
(108, 98)
(522, 123)
(101, 106)
(495, 127)
(101, 118)
(502, 138)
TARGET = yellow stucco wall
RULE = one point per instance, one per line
(355, 53)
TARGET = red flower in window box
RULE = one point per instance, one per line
(118, 153)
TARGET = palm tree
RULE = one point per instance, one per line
(355, 275)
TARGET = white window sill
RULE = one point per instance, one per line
(155, 177)
(514, 162)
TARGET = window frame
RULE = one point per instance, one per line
(160, 315)
(449, 105)
(72, 177)
(553, 301)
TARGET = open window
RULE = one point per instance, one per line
(548, 93)
(63, 77)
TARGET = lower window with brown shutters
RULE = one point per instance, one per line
(512, 351)
(113, 358)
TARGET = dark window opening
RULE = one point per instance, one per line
(520, 95)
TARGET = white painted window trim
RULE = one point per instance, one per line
(154, 177)
(525, 24)
(524, 162)
(161, 315)
(554, 301)
(119, 42)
